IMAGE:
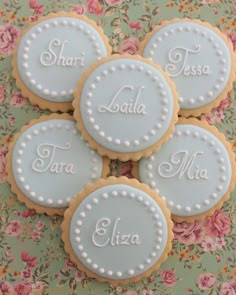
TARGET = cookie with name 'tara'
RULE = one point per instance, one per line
(49, 162)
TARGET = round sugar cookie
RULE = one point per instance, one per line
(199, 59)
(117, 230)
(125, 107)
(194, 172)
(51, 56)
(49, 162)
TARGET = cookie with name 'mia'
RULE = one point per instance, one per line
(194, 172)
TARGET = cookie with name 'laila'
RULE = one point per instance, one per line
(117, 230)
(49, 162)
(51, 56)
(194, 172)
(199, 59)
(125, 107)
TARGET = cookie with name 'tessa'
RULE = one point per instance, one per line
(199, 59)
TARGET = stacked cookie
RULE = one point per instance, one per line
(125, 107)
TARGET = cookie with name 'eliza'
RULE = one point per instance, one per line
(194, 172)
(125, 107)
(52, 54)
(199, 59)
(49, 162)
(117, 230)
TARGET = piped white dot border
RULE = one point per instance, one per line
(39, 129)
(189, 28)
(80, 26)
(158, 224)
(210, 197)
(160, 123)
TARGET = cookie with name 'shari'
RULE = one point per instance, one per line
(52, 54)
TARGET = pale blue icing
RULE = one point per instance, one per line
(83, 41)
(122, 80)
(213, 52)
(184, 196)
(34, 166)
(136, 218)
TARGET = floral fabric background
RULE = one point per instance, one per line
(32, 258)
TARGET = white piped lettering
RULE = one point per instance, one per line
(132, 107)
(107, 234)
(46, 160)
(178, 57)
(55, 56)
(179, 166)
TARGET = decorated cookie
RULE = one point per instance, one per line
(51, 56)
(117, 230)
(48, 163)
(194, 171)
(125, 106)
(199, 59)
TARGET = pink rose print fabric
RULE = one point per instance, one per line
(168, 277)
(232, 38)
(228, 288)
(206, 281)
(13, 228)
(188, 233)
(218, 224)
(114, 2)
(8, 37)
(79, 9)
(37, 7)
(17, 100)
(94, 7)
(23, 288)
(129, 45)
(6, 288)
(3, 162)
(2, 93)
(29, 260)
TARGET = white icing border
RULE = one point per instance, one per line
(17, 169)
(204, 34)
(39, 28)
(154, 78)
(220, 160)
(122, 194)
